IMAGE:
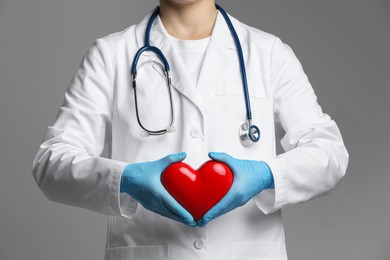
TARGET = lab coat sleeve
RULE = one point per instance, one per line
(68, 166)
(315, 158)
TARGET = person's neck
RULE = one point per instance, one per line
(188, 22)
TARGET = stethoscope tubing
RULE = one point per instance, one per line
(241, 60)
(158, 52)
(253, 131)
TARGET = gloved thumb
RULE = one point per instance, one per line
(180, 156)
(222, 157)
(172, 158)
(176, 157)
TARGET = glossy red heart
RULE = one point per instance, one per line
(197, 190)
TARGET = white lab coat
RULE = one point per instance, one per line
(99, 107)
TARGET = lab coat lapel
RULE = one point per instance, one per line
(221, 49)
(179, 75)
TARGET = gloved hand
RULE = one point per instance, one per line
(142, 181)
(250, 178)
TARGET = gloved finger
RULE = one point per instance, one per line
(172, 158)
(225, 205)
(162, 209)
(164, 212)
(213, 215)
(176, 211)
(169, 213)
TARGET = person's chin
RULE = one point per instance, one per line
(181, 2)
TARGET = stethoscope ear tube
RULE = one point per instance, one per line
(148, 47)
(170, 128)
(158, 52)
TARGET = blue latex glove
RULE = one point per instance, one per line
(250, 178)
(142, 181)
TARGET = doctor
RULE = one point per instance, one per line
(101, 106)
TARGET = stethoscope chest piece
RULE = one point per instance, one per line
(248, 134)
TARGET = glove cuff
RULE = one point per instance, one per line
(269, 178)
(124, 179)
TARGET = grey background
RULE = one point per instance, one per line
(344, 46)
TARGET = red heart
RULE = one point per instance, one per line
(197, 190)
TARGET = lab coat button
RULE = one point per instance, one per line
(194, 133)
(198, 244)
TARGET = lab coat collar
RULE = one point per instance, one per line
(216, 61)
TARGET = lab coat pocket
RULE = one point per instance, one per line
(231, 82)
(153, 252)
(258, 251)
(256, 90)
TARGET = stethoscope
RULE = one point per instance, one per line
(248, 133)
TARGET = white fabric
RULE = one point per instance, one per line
(192, 54)
(99, 108)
